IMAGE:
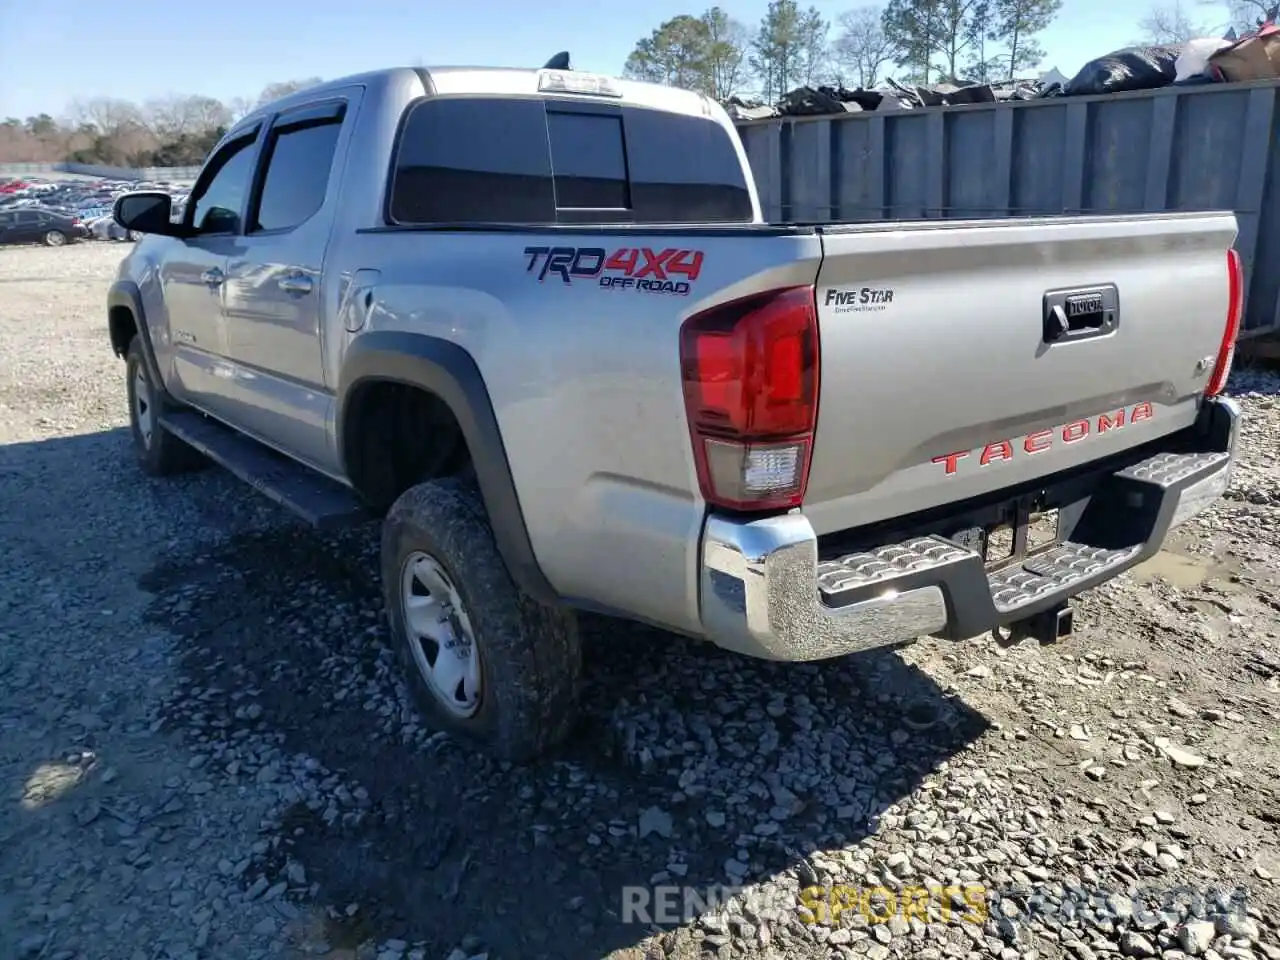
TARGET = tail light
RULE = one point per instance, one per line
(1235, 310)
(750, 374)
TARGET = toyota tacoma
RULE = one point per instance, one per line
(535, 321)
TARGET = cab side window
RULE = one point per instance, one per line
(217, 208)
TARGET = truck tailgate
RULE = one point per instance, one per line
(959, 358)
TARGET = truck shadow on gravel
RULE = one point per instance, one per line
(691, 767)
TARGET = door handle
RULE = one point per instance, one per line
(213, 277)
(295, 283)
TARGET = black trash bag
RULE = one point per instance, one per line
(929, 97)
(866, 99)
(807, 102)
(851, 99)
(1134, 68)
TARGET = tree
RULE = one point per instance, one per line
(239, 107)
(172, 117)
(105, 114)
(1170, 23)
(914, 27)
(275, 91)
(726, 57)
(1246, 15)
(815, 54)
(789, 48)
(706, 54)
(1016, 24)
(982, 66)
(861, 48)
(956, 31)
(41, 125)
(177, 130)
(677, 54)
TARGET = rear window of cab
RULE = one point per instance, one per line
(477, 160)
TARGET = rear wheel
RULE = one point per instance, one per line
(55, 238)
(484, 660)
(159, 452)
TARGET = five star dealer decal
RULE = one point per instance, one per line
(641, 269)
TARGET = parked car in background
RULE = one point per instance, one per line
(40, 225)
(85, 199)
(106, 228)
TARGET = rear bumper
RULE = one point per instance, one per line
(766, 592)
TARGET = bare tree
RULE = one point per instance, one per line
(1169, 24)
(105, 114)
(861, 48)
(1247, 15)
(177, 116)
(239, 107)
(274, 91)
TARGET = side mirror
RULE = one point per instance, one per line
(147, 211)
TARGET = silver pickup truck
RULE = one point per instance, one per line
(534, 319)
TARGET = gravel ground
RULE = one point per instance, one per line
(205, 749)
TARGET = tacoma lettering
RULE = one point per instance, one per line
(1033, 443)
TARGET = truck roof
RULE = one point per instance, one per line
(495, 81)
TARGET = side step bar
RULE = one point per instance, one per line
(321, 502)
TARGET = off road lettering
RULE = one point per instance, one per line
(670, 270)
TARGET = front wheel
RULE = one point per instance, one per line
(484, 660)
(55, 238)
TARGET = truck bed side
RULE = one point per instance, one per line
(585, 384)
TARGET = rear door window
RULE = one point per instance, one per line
(477, 160)
(473, 160)
(300, 151)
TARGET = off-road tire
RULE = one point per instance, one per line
(530, 658)
(164, 454)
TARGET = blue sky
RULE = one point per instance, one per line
(58, 50)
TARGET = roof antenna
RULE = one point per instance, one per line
(559, 62)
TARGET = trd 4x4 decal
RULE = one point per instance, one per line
(628, 268)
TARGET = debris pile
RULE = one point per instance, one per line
(1203, 60)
